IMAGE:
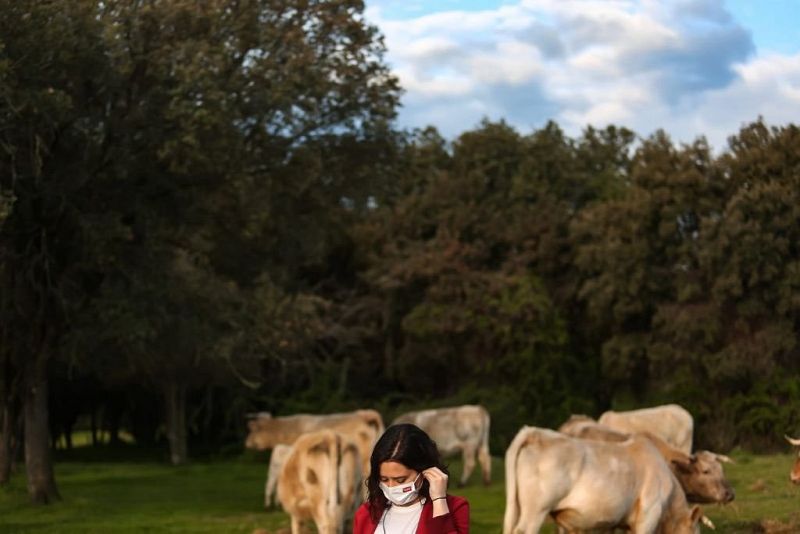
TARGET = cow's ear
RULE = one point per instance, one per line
(696, 514)
(682, 465)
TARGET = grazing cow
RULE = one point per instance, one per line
(587, 484)
(794, 476)
(320, 481)
(460, 428)
(363, 427)
(700, 474)
(670, 422)
(276, 462)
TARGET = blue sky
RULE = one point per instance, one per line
(690, 67)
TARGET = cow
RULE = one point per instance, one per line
(670, 422)
(794, 475)
(276, 462)
(320, 481)
(456, 429)
(586, 484)
(363, 427)
(700, 474)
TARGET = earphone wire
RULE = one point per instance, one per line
(405, 527)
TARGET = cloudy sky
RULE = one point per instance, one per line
(690, 67)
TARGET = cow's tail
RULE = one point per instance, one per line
(334, 492)
(511, 516)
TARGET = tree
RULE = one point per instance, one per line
(140, 138)
(750, 261)
(50, 55)
(634, 250)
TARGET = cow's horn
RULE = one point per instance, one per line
(707, 522)
(793, 441)
(723, 458)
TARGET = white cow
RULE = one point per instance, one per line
(672, 423)
(700, 474)
(276, 462)
(585, 485)
(320, 481)
(462, 429)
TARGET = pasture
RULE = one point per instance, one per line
(107, 491)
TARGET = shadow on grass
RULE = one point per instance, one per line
(121, 452)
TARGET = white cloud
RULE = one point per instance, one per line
(685, 66)
(511, 62)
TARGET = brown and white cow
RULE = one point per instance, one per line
(587, 484)
(277, 460)
(794, 475)
(320, 481)
(456, 429)
(672, 423)
(700, 474)
(363, 427)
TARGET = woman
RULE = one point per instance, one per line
(407, 488)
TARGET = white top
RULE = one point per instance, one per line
(400, 519)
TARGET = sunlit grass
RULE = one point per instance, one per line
(130, 490)
(83, 438)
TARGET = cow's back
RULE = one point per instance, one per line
(451, 428)
(670, 422)
(363, 426)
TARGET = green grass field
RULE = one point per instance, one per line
(106, 491)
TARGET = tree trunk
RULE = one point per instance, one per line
(175, 409)
(6, 434)
(8, 413)
(38, 459)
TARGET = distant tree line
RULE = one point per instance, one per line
(206, 210)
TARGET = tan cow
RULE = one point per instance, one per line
(586, 484)
(320, 481)
(276, 462)
(700, 474)
(462, 429)
(670, 422)
(363, 427)
(794, 475)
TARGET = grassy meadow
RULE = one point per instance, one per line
(125, 490)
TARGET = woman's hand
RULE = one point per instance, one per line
(437, 481)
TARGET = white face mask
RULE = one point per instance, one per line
(402, 493)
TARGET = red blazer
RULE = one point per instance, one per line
(456, 522)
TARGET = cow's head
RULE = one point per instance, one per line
(794, 475)
(688, 523)
(257, 438)
(702, 478)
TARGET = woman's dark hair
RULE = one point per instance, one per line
(406, 444)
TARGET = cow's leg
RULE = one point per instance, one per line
(530, 521)
(486, 464)
(271, 485)
(468, 455)
(647, 522)
(322, 518)
(296, 524)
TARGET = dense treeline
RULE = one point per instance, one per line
(206, 211)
